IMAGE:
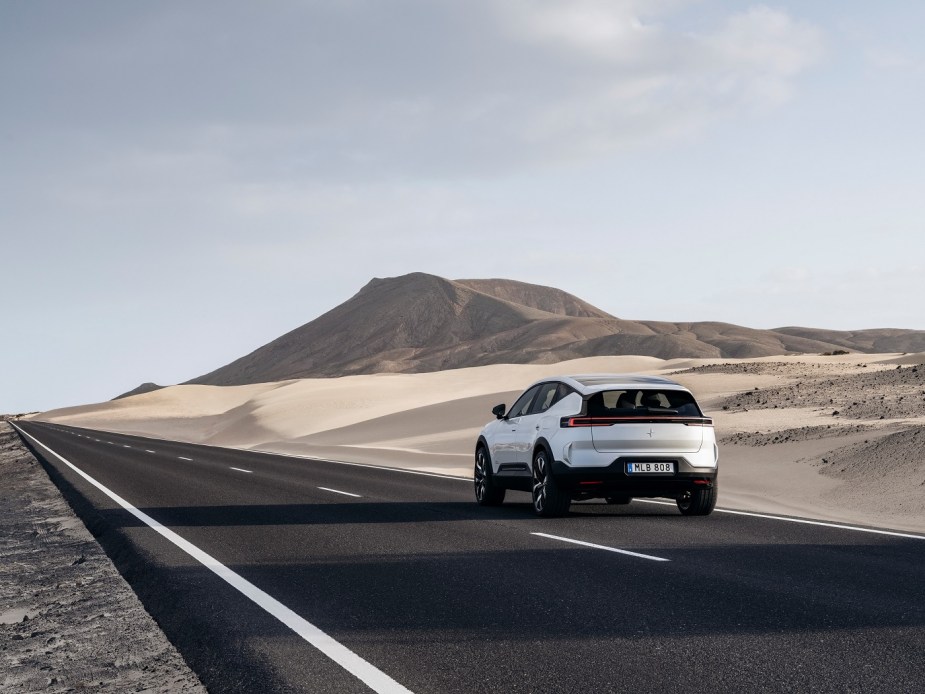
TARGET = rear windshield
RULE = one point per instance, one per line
(647, 401)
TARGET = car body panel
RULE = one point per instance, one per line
(652, 437)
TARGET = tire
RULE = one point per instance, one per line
(486, 492)
(698, 502)
(549, 500)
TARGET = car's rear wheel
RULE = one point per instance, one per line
(698, 502)
(486, 492)
(549, 500)
(619, 499)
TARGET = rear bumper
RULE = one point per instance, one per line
(613, 479)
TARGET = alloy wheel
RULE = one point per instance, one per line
(481, 475)
(540, 478)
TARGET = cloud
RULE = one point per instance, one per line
(633, 80)
(599, 30)
(365, 90)
(760, 51)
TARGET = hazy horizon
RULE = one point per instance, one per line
(184, 183)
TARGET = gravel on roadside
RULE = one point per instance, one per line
(68, 620)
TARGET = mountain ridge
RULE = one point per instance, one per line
(422, 322)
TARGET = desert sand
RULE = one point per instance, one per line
(834, 438)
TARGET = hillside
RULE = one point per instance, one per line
(143, 388)
(421, 322)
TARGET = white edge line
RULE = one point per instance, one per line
(469, 479)
(338, 491)
(593, 546)
(148, 450)
(370, 675)
(239, 469)
(788, 519)
(184, 458)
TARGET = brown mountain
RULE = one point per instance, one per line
(143, 388)
(421, 322)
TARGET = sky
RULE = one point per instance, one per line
(182, 182)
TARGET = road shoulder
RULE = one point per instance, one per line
(68, 620)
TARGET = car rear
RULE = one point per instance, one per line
(637, 441)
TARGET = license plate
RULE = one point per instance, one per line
(650, 468)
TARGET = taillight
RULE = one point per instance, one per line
(570, 422)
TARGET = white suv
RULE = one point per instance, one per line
(599, 436)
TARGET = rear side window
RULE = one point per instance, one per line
(550, 394)
(546, 398)
(563, 391)
(648, 401)
(522, 406)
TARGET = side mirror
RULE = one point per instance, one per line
(498, 410)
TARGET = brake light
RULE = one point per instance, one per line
(569, 422)
(572, 422)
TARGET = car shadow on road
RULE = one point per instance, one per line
(335, 513)
(359, 512)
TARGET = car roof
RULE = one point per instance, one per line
(594, 383)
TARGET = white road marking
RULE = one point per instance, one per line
(182, 458)
(242, 470)
(370, 675)
(458, 478)
(148, 450)
(892, 533)
(337, 491)
(609, 549)
(125, 445)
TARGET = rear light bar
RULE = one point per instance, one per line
(572, 422)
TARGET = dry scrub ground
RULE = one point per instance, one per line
(68, 620)
(860, 425)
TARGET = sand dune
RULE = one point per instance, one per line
(783, 448)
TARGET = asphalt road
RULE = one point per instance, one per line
(411, 578)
